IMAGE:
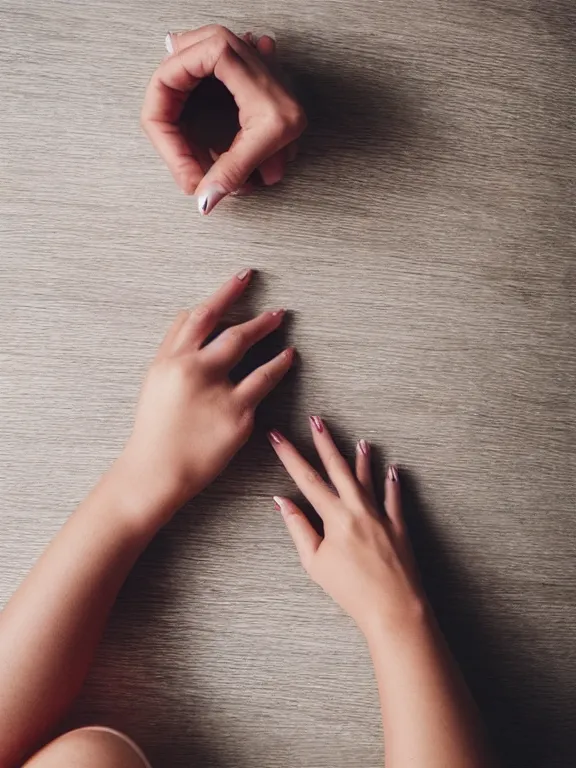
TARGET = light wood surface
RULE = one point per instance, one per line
(424, 242)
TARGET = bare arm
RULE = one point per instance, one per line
(50, 628)
(364, 562)
(190, 421)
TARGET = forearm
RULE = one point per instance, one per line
(429, 717)
(51, 626)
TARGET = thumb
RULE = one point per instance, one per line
(303, 534)
(232, 168)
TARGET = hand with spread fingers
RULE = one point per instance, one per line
(191, 419)
(364, 561)
(270, 119)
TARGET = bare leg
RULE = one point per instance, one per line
(90, 748)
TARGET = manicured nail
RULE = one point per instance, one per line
(275, 437)
(243, 274)
(263, 33)
(210, 197)
(392, 473)
(289, 352)
(363, 447)
(317, 423)
(277, 503)
(168, 43)
(278, 312)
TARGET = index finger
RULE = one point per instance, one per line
(204, 318)
(304, 475)
(176, 77)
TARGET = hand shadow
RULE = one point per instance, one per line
(368, 129)
(502, 679)
(370, 134)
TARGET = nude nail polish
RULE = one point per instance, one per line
(317, 423)
(363, 447)
(258, 33)
(392, 473)
(275, 437)
(277, 503)
(278, 312)
(168, 43)
(243, 274)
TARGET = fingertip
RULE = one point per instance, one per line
(283, 506)
(363, 447)
(209, 197)
(392, 475)
(245, 275)
(266, 45)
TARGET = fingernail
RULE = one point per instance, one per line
(289, 353)
(168, 43)
(317, 423)
(277, 503)
(278, 312)
(392, 473)
(213, 154)
(243, 274)
(363, 447)
(210, 197)
(263, 33)
(275, 437)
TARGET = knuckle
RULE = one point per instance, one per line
(274, 121)
(312, 477)
(221, 44)
(268, 378)
(245, 421)
(201, 313)
(234, 336)
(220, 31)
(295, 121)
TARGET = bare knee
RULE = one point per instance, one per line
(88, 748)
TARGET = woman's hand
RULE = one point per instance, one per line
(270, 118)
(191, 419)
(364, 561)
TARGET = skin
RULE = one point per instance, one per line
(270, 117)
(364, 562)
(191, 420)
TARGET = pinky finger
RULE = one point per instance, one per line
(305, 538)
(364, 468)
(393, 499)
(254, 388)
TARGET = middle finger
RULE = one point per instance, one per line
(304, 475)
(228, 349)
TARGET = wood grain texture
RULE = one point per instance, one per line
(424, 242)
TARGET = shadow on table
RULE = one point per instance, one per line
(505, 683)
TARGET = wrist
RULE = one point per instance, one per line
(144, 500)
(383, 626)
